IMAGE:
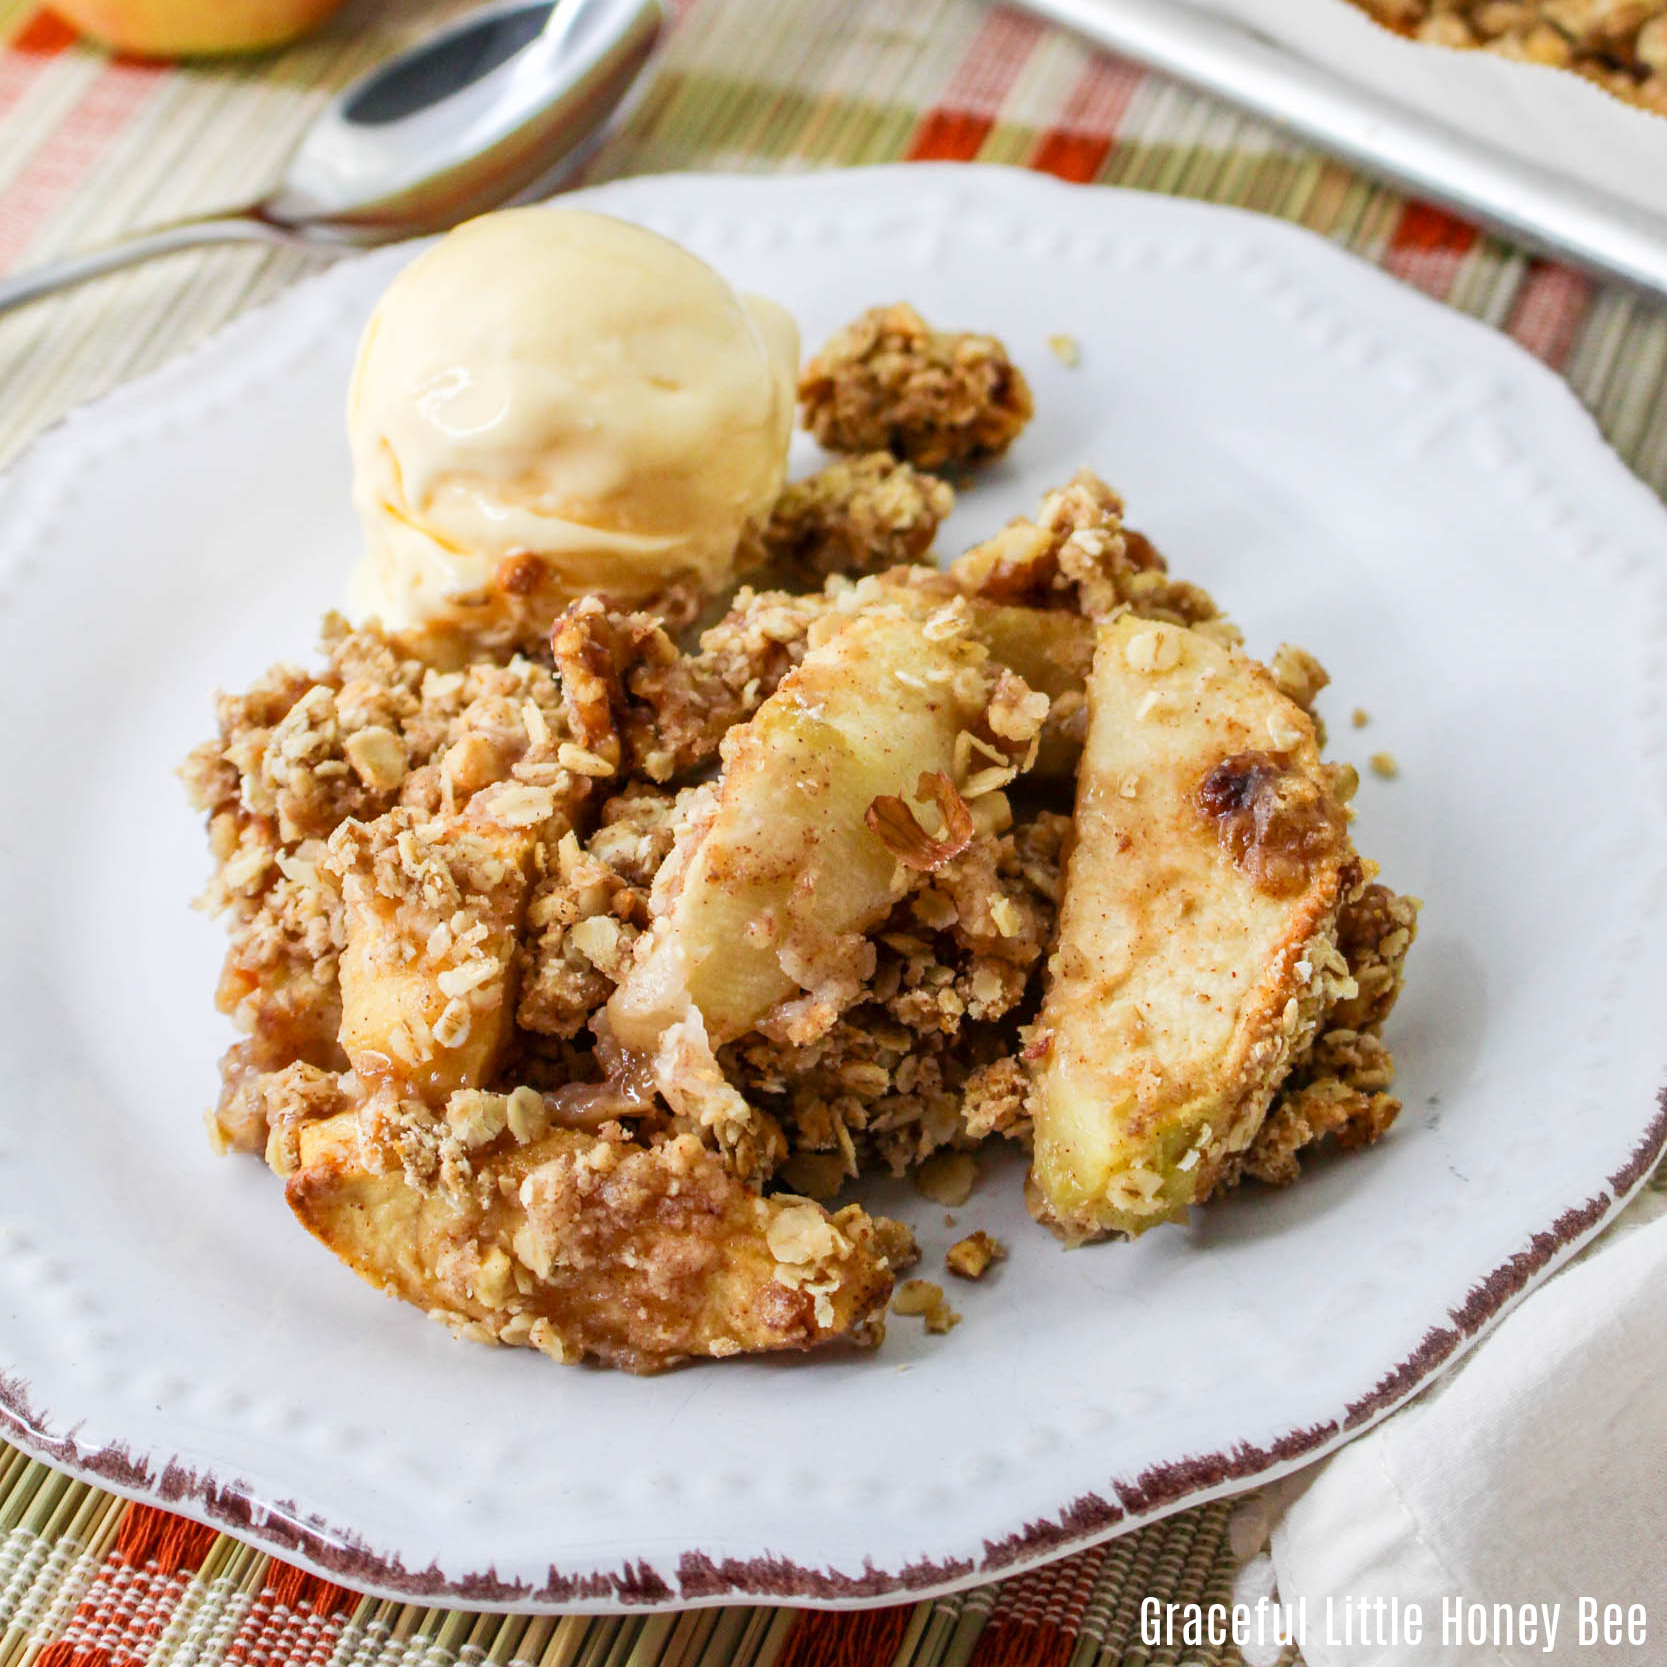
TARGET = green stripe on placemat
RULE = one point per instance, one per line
(89, 149)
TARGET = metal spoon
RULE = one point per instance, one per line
(482, 112)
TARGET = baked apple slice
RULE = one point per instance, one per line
(432, 907)
(562, 1240)
(766, 897)
(1050, 648)
(1198, 929)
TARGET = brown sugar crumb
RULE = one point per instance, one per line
(858, 515)
(1360, 717)
(916, 1296)
(895, 1241)
(947, 1178)
(941, 1319)
(936, 398)
(974, 1256)
(924, 1298)
(1384, 764)
(1066, 350)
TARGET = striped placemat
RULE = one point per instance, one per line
(90, 146)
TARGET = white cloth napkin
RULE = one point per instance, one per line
(1535, 1474)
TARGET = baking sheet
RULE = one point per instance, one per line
(1545, 116)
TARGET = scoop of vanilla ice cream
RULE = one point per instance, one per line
(551, 402)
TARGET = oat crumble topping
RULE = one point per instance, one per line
(860, 514)
(1076, 554)
(890, 383)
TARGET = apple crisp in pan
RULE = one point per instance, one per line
(1619, 44)
(576, 969)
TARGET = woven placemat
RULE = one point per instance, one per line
(90, 146)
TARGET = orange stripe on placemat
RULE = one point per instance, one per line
(846, 1638)
(1428, 247)
(28, 53)
(949, 136)
(73, 149)
(1077, 157)
(45, 35)
(1548, 310)
(148, 1536)
(1038, 1616)
(135, 1591)
(1076, 148)
(955, 128)
(1029, 1644)
(296, 1589)
(297, 1619)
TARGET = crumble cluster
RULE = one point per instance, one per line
(937, 399)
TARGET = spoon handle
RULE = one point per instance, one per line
(233, 226)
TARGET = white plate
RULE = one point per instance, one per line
(1342, 462)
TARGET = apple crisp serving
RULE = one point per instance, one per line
(576, 970)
